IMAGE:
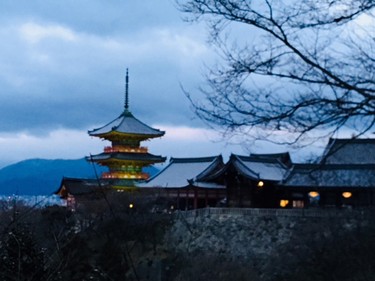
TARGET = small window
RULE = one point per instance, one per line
(298, 204)
(314, 198)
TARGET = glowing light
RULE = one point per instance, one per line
(118, 148)
(131, 206)
(260, 184)
(313, 194)
(122, 175)
(284, 203)
(346, 194)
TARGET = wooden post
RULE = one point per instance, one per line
(195, 199)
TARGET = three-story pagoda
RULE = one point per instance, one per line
(126, 158)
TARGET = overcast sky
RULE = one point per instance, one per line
(62, 69)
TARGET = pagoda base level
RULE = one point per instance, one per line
(124, 183)
(125, 176)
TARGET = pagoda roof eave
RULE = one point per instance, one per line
(121, 156)
(127, 124)
(114, 134)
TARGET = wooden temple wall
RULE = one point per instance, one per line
(192, 198)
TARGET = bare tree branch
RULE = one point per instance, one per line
(317, 58)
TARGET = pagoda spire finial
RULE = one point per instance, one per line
(127, 90)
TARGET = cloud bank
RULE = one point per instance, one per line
(62, 68)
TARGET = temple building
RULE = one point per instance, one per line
(344, 177)
(182, 183)
(125, 157)
(78, 191)
(251, 180)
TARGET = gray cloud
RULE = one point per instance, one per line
(62, 68)
(94, 16)
(62, 64)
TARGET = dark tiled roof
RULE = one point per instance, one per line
(265, 168)
(349, 151)
(143, 157)
(283, 157)
(126, 123)
(76, 186)
(253, 167)
(330, 175)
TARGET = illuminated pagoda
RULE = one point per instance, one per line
(126, 158)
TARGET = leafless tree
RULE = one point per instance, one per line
(301, 69)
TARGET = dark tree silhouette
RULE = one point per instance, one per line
(21, 258)
(301, 69)
(103, 239)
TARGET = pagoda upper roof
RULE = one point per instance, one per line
(126, 123)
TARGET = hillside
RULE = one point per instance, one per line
(43, 177)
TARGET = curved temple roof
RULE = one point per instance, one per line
(77, 187)
(126, 123)
(349, 151)
(256, 167)
(331, 175)
(180, 171)
(263, 168)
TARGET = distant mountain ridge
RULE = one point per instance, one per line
(43, 176)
